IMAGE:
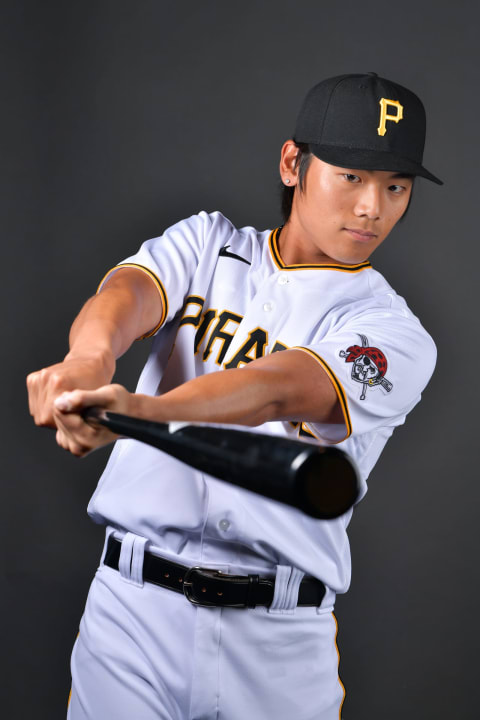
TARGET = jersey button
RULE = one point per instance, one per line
(283, 280)
(224, 524)
(268, 306)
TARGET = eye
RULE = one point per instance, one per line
(350, 177)
(397, 189)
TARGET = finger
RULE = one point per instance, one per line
(52, 384)
(79, 437)
(66, 442)
(72, 425)
(77, 400)
(40, 386)
(61, 440)
(76, 449)
(70, 438)
(31, 392)
(33, 386)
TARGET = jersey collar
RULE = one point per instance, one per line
(272, 241)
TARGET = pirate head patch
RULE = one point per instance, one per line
(369, 365)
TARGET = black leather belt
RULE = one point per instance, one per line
(207, 587)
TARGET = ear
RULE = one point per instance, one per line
(288, 169)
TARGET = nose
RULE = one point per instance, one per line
(369, 201)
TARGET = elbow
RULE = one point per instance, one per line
(270, 412)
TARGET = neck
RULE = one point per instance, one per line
(295, 249)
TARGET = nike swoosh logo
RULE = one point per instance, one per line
(224, 253)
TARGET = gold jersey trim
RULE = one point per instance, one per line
(273, 239)
(342, 398)
(159, 285)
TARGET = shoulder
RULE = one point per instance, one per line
(383, 314)
(222, 235)
(216, 225)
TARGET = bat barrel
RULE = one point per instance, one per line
(328, 484)
(320, 481)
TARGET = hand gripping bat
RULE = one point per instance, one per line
(321, 481)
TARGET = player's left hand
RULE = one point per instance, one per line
(78, 436)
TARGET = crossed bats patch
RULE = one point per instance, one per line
(369, 365)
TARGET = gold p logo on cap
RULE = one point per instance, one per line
(384, 116)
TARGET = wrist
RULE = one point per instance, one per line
(146, 407)
(102, 357)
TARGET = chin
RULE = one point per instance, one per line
(353, 261)
(351, 258)
(354, 255)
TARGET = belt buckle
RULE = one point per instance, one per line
(188, 587)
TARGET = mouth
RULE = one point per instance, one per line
(361, 235)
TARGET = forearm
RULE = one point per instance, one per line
(128, 306)
(274, 388)
(111, 321)
(224, 397)
(287, 385)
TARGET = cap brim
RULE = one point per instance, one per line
(370, 160)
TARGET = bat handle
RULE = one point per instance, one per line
(95, 416)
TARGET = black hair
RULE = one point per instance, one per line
(302, 161)
(409, 199)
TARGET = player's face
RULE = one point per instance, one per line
(342, 214)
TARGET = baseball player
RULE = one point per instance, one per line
(290, 331)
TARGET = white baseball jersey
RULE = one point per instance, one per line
(230, 299)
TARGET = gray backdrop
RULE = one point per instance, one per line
(120, 118)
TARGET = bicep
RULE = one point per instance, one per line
(380, 363)
(139, 295)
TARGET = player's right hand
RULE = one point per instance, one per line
(77, 435)
(83, 372)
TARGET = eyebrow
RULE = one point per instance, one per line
(402, 175)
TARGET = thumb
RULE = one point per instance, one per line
(108, 396)
(64, 402)
(76, 400)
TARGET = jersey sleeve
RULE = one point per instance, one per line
(379, 364)
(171, 261)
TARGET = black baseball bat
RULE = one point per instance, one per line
(321, 481)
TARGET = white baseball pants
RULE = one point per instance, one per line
(146, 653)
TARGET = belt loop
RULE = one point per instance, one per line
(138, 555)
(125, 560)
(130, 564)
(279, 595)
(293, 586)
(287, 584)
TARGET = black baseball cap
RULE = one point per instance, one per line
(365, 122)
